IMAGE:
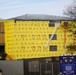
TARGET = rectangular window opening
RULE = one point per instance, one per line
(52, 24)
(54, 37)
(53, 48)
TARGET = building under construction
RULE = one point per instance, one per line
(36, 41)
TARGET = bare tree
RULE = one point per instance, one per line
(71, 12)
(72, 29)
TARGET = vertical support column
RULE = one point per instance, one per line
(65, 25)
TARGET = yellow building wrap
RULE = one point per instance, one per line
(25, 39)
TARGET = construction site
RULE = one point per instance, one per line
(35, 44)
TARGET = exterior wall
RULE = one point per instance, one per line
(9, 38)
(26, 39)
(2, 32)
(15, 67)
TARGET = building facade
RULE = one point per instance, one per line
(31, 36)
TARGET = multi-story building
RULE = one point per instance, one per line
(28, 36)
(39, 38)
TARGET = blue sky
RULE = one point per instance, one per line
(13, 8)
